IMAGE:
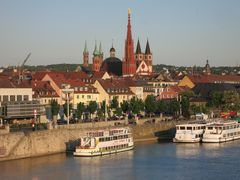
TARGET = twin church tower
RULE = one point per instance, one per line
(137, 63)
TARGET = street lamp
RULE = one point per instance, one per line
(67, 91)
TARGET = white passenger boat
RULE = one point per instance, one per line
(101, 142)
(222, 131)
(190, 132)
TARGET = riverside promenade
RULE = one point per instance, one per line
(16, 145)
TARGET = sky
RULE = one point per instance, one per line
(180, 32)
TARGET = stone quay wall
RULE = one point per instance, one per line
(64, 138)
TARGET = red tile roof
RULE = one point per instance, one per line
(214, 78)
(43, 89)
(6, 83)
(115, 86)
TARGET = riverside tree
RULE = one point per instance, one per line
(80, 109)
(136, 105)
(150, 104)
(125, 106)
(54, 107)
(65, 109)
(92, 107)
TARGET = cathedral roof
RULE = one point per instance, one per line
(95, 52)
(85, 48)
(112, 65)
(138, 49)
(147, 51)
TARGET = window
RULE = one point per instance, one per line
(182, 128)
(19, 98)
(25, 97)
(89, 96)
(77, 96)
(83, 96)
(189, 128)
(5, 98)
(12, 98)
(0, 98)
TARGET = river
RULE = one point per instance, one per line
(149, 160)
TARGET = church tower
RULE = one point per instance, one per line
(129, 64)
(100, 54)
(138, 54)
(148, 57)
(96, 59)
(207, 68)
(85, 55)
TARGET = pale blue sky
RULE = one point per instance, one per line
(180, 32)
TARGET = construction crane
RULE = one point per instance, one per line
(21, 68)
(25, 60)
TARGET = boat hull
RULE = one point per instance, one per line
(98, 153)
(219, 140)
(175, 140)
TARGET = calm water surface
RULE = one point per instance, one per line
(146, 161)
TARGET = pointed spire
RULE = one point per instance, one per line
(95, 52)
(100, 48)
(138, 49)
(129, 32)
(147, 50)
(85, 48)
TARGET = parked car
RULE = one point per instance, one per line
(61, 121)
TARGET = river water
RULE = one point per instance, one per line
(163, 160)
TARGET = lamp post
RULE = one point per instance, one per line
(67, 91)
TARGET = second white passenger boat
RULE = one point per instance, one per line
(222, 131)
(190, 132)
(102, 142)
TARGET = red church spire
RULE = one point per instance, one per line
(129, 65)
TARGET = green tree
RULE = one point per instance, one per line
(174, 107)
(104, 108)
(118, 111)
(161, 107)
(185, 104)
(150, 104)
(92, 107)
(216, 99)
(65, 109)
(136, 105)
(114, 103)
(231, 100)
(100, 113)
(125, 106)
(54, 107)
(80, 110)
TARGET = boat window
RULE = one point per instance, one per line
(189, 128)
(177, 128)
(224, 128)
(182, 127)
(210, 128)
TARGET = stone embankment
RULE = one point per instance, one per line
(64, 138)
